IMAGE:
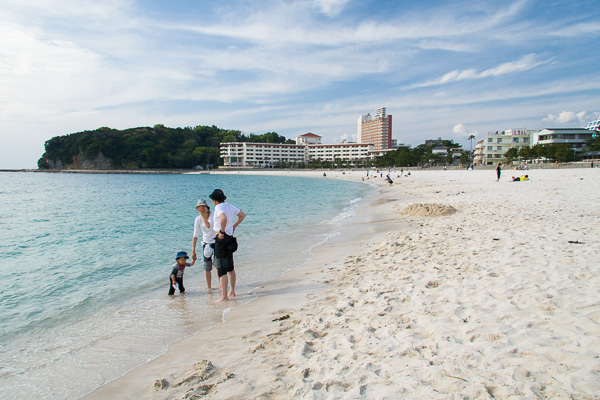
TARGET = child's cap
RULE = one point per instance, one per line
(182, 254)
(201, 202)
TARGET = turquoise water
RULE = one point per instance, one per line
(85, 259)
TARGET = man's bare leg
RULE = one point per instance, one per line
(232, 278)
(223, 282)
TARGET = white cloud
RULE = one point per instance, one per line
(271, 65)
(567, 117)
(351, 138)
(525, 63)
(462, 131)
(331, 8)
(581, 29)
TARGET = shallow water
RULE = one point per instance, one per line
(85, 260)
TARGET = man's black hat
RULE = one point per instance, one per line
(218, 195)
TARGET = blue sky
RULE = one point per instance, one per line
(442, 68)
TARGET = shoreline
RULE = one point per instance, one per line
(469, 287)
(275, 299)
(274, 171)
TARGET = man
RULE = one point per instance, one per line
(225, 226)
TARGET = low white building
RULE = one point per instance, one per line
(347, 152)
(495, 144)
(478, 153)
(261, 155)
(440, 150)
(576, 138)
(308, 138)
(308, 148)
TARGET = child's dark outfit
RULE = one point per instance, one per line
(178, 272)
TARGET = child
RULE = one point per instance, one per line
(177, 272)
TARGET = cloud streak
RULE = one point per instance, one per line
(291, 66)
(524, 63)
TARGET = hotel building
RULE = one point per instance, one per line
(376, 130)
(495, 144)
(478, 153)
(576, 138)
(308, 147)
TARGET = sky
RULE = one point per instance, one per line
(446, 69)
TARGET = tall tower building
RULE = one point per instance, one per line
(376, 130)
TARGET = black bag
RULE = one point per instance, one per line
(232, 244)
(224, 247)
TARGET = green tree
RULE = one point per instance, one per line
(465, 158)
(471, 138)
(143, 147)
(525, 153)
(593, 144)
(511, 154)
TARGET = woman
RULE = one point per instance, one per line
(203, 224)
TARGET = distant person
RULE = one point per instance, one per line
(176, 277)
(203, 224)
(520, 179)
(224, 227)
(498, 172)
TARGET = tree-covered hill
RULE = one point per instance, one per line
(144, 147)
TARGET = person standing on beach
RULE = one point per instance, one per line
(203, 223)
(224, 227)
(498, 171)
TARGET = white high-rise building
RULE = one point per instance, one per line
(361, 120)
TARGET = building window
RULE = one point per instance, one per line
(499, 140)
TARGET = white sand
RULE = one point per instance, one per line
(493, 292)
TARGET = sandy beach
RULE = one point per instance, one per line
(446, 285)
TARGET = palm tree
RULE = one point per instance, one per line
(471, 151)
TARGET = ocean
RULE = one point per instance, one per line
(85, 261)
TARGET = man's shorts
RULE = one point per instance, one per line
(224, 265)
(208, 263)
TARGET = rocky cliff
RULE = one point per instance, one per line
(80, 162)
